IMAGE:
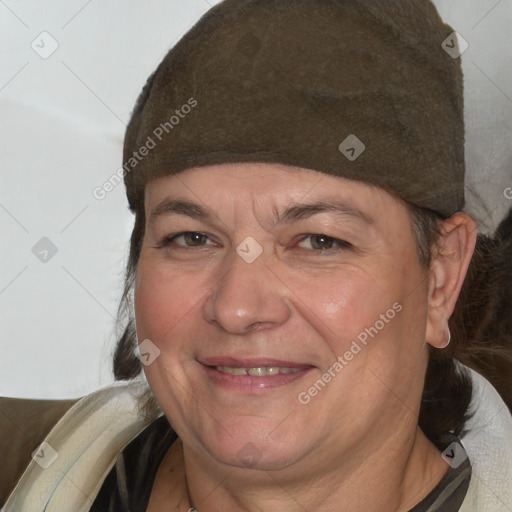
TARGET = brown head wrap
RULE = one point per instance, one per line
(361, 89)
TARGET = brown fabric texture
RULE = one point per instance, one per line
(24, 423)
(288, 82)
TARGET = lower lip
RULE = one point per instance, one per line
(251, 383)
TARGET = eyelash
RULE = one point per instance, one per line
(168, 240)
(342, 244)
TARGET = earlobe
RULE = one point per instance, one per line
(448, 271)
(448, 338)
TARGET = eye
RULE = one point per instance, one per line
(187, 239)
(321, 242)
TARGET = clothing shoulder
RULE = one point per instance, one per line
(84, 437)
(128, 485)
(488, 442)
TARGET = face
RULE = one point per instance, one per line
(289, 309)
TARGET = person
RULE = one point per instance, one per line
(296, 281)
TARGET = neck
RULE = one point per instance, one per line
(394, 476)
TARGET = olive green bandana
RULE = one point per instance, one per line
(360, 89)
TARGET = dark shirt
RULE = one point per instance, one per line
(128, 485)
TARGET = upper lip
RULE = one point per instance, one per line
(250, 362)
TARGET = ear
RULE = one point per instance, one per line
(448, 270)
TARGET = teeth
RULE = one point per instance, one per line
(233, 371)
(259, 371)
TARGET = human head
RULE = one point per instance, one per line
(413, 111)
(373, 301)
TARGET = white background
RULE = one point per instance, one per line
(61, 130)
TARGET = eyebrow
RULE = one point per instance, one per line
(180, 207)
(302, 211)
(294, 213)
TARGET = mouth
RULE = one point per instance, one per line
(259, 371)
(253, 375)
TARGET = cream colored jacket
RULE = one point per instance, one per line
(68, 469)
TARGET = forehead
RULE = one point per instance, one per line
(265, 183)
(274, 195)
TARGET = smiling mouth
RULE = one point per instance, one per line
(259, 371)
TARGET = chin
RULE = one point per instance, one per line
(257, 457)
(246, 445)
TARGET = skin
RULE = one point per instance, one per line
(356, 443)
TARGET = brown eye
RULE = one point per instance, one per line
(188, 239)
(320, 242)
(192, 238)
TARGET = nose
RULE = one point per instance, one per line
(248, 297)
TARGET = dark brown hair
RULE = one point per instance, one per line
(481, 325)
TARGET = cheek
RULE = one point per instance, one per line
(162, 301)
(342, 305)
(380, 307)
(164, 304)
